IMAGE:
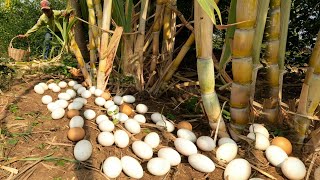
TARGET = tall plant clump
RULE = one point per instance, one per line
(242, 64)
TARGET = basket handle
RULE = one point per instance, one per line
(11, 46)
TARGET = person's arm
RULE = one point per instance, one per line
(35, 27)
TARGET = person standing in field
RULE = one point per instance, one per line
(49, 18)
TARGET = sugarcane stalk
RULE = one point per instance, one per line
(203, 29)
(93, 32)
(98, 10)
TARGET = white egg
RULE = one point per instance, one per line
(62, 84)
(129, 98)
(77, 105)
(131, 167)
(46, 99)
(167, 124)
(185, 147)
(227, 152)
(82, 100)
(77, 86)
(108, 104)
(86, 94)
(56, 89)
(259, 128)
(141, 108)
(237, 169)
(53, 106)
(76, 121)
(261, 141)
(187, 134)
(112, 110)
(106, 138)
(201, 163)
(44, 86)
(100, 101)
(62, 103)
(158, 166)
(89, 114)
(171, 155)
(98, 92)
(293, 168)
(106, 126)
(112, 167)
(117, 100)
(81, 90)
(206, 143)
(132, 126)
(142, 150)
(38, 89)
(156, 117)
(276, 155)
(58, 113)
(92, 89)
(140, 118)
(51, 85)
(122, 117)
(71, 92)
(152, 139)
(64, 96)
(101, 118)
(82, 150)
(72, 83)
(224, 140)
(121, 138)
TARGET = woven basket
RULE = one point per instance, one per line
(18, 54)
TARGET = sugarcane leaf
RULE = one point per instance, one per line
(210, 6)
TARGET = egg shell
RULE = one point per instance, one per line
(121, 138)
(283, 143)
(206, 143)
(112, 110)
(56, 89)
(185, 147)
(71, 92)
(106, 95)
(132, 126)
(72, 113)
(128, 98)
(98, 92)
(187, 134)
(86, 94)
(76, 134)
(101, 118)
(141, 108)
(72, 83)
(62, 103)
(142, 150)
(58, 113)
(158, 166)
(184, 125)
(52, 106)
(112, 167)
(259, 128)
(140, 118)
(106, 126)
(80, 99)
(106, 138)
(92, 89)
(38, 89)
(89, 114)
(64, 96)
(81, 90)
(131, 167)
(261, 141)
(118, 100)
(44, 86)
(126, 108)
(275, 155)
(77, 86)
(225, 140)
(120, 117)
(108, 104)
(227, 152)
(156, 117)
(237, 169)
(76, 121)
(62, 84)
(99, 101)
(51, 85)
(82, 150)
(201, 163)
(152, 139)
(77, 105)
(293, 168)
(46, 99)
(166, 124)
(171, 155)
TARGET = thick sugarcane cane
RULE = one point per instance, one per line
(203, 29)
(93, 32)
(98, 10)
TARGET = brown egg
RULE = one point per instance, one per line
(71, 113)
(84, 84)
(283, 143)
(76, 134)
(106, 95)
(126, 108)
(184, 125)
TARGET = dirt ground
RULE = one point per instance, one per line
(39, 148)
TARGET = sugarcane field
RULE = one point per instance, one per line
(160, 89)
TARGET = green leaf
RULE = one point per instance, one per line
(13, 141)
(210, 6)
(19, 118)
(60, 162)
